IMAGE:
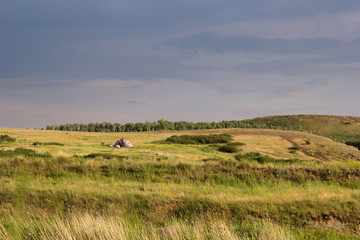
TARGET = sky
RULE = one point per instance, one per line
(84, 61)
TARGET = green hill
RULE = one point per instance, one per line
(338, 128)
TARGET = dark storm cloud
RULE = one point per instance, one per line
(157, 13)
(35, 34)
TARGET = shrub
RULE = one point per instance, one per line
(6, 138)
(104, 155)
(47, 143)
(236, 144)
(36, 144)
(354, 144)
(255, 156)
(200, 139)
(159, 158)
(228, 149)
(295, 148)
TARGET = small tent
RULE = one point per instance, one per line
(122, 143)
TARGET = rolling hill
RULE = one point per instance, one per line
(337, 128)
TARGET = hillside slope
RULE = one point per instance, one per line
(338, 128)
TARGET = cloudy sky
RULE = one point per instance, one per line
(65, 61)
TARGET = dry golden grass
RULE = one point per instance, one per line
(88, 226)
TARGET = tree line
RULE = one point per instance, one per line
(159, 125)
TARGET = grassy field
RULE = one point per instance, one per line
(277, 185)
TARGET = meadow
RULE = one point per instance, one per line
(273, 184)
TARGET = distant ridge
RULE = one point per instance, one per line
(338, 128)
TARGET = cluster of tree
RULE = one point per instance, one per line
(148, 126)
(162, 125)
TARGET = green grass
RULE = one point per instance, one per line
(156, 190)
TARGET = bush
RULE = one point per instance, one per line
(36, 144)
(255, 156)
(228, 149)
(295, 148)
(104, 155)
(354, 144)
(200, 139)
(236, 144)
(47, 143)
(6, 138)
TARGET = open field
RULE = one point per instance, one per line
(73, 185)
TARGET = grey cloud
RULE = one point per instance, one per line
(153, 14)
(213, 43)
(34, 34)
(63, 63)
(342, 55)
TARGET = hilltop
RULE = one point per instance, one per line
(338, 128)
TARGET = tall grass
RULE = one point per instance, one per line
(88, 226)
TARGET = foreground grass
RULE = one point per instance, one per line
(73, 186)
(87, 226)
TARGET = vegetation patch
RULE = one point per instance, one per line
(236, 144)
(47, 144)
(200, 139)
(229, 149)
(260, 158)
(23, 152)
(255, 156)
(354, 144)
(104, 156)
(6, 138)
(211, 159)
(162, 157)
(294, 149)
